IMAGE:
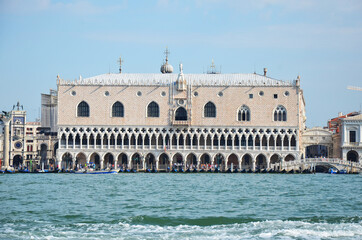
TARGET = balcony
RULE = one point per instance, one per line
(181, 122)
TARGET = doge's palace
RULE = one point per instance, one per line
(156, 121)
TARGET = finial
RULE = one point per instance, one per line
(120, 64)
(298, 77)
(167, 53)
(213, 68)
(181, 68)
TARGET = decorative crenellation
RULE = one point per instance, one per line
(169, 79)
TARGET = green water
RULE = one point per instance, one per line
(181, 206)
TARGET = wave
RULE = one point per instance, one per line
(138, 228)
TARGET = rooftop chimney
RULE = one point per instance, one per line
(340, 114)
(265, 70)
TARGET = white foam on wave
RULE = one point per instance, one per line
(255, 230)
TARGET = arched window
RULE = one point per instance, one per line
(210, 110)
(244, 114)
(181, 114)
(153, 110)
(280, 114)
(117, 110)
(83, 109)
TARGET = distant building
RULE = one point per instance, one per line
(29, 146)
(351, 138)
(335, 123)
(317, 142)
(49, 111)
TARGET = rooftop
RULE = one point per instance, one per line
(147, 79)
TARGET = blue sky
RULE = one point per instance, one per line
(319, 40)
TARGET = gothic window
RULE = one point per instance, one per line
(83, 109)
(244, 114)
(153, 110)
(210, 110)
(117, 110)
(280, 114)
(181, 114)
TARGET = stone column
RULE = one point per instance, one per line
(253, 164)
(6, 149)
(157, 165)
(102, 164)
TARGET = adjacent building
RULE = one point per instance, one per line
(351, 138)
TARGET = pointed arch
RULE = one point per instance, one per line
(229, 141)
(117, 109)
(202, 140)
(222, 140)
(280, 114)
(153, 110)
(244, 114)
(210, 110)
(194, 141)
(264, 141)
(215, 141)
(146, 140)
(208, 140)
(83, 109)
(112, 140)
(286, 141)
(153, 140)
(293, 141)
(84, 140)
(181, 140)
(271, 141)
(181, 114)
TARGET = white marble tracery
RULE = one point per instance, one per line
(234, 144)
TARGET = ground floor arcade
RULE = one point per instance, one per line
(164, 160)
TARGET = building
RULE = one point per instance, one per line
(317, 142)
(23, 142)
(351, 138)
(49, 111)
(145, 121)
(335, 123)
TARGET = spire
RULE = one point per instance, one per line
(167, 53)
(213, 68)
(120, 64)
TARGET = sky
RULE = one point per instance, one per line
(319, 40)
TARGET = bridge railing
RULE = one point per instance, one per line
(323, 160)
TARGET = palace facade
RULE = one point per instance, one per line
(145, 121)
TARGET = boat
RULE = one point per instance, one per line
(343, 171)
(96, 172)
(333, 171)
(9, 171)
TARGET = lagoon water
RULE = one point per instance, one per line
(181, 206)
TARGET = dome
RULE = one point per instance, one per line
(166, 68)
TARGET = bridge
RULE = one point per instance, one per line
(312, 163)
